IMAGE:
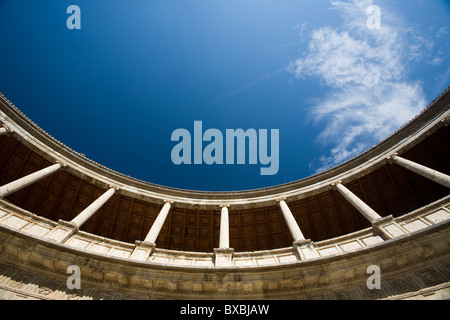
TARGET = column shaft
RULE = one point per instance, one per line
(84, 215)
(359, 205)
(224, 241)
(159, 222)
(426, 172)
(27, 180)
(290, 221)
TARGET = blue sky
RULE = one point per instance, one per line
(137, 70)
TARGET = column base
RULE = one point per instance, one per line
(142, 250)
(223, 257)
(305, 249)
(388, 228)
(62, 232)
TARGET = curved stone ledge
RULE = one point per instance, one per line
(34, 267)
(20, 220)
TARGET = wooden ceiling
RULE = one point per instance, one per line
(389, 190)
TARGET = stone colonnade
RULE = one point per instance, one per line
(224, 254)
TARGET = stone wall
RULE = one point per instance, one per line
(414, 264)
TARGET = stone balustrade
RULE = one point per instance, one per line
(389, 228)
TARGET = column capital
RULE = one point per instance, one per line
(62, 164)
(116, 188)
(334, 184)
(446, 121)
(7, 128)
(390, 157)
(168, 201)
(280, 199)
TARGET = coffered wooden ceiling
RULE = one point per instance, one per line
(389, 190)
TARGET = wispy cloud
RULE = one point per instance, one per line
(442, 32)
(366, 71)
(253, 83)
(244, 87)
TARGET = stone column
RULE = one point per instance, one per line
(387, 227)
(304, 247)
(29, 179)
(290, 221)
(159, 222)
(84, 215)
(224, 241)
(223, 256)
(143, 249)
(357, 203)
(426, 172)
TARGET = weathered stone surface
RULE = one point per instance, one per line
(343, 275)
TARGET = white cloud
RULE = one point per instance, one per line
(300, 28)
(340, 60)
(442, 32)
(359, 117)
(437, 60)
(366, 71)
